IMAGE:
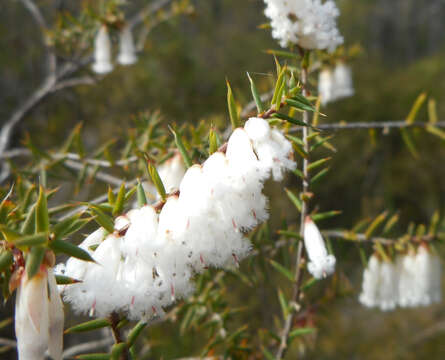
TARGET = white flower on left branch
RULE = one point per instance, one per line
(39, 316)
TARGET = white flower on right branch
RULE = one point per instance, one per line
(321, 264)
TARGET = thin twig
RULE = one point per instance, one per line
(24, 152)
(347, 235)
(8, 342)
(86, 347)
(99, 175)
(374, 125)
(96, 200)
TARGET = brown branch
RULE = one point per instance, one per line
(117, 336)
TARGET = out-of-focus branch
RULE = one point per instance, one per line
(41, 22)
(24, 152)
(84, 80)
(146, 11)
(8, 342)
(428, 333)
(361, 238)
(99, 175)
(96, 200)
(374, 125)
(86, 347)
(250, 108)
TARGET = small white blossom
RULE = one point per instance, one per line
(127, 51)
(321, 264)
(371, 282)
(326, 86)
(343, 86)
(336, 84)
(388, 286)
(310, 24)
(39, 317)
(102, 52)
(380, 284)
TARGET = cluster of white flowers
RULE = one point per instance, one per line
(103, 50)
(412, 280)
(309, 23)
(321, 263)
(336, 84)
(151, 257)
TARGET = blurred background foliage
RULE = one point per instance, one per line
(182, 73)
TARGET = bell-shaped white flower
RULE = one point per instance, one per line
(325, 86)
(171, 172)
(321, 264)
(39, 317)
(127, 51)
(371, 282)
(102, 52)
(343, 86)
(388, 286)
(428, 277)
(408, 294)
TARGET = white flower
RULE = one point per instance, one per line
(127, 51)
(428, 277)
(380, 286)
(39, 317)
(388, 286)
(309, 23)
(171, 172)
(408, 294)
(343, 86)
(371, 281)
(273, 150)
(325, 86)
(102, 52)
(321, 263)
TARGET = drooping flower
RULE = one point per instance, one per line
(321, 264)
(39, 317)
(343, 86)
(388, 286)
(371, 282)
(310, 24)
(414, 279)
(427, 281)
(326, 86)
(127, 51)
(102, 52)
